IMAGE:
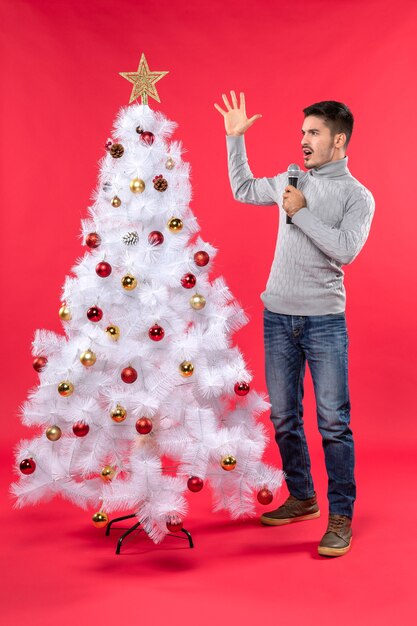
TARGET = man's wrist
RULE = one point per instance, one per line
(299, 212)
(236, 140)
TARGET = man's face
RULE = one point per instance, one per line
(318, 143)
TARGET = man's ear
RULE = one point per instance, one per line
(340, 140)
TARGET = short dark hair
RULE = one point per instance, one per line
(336, 115)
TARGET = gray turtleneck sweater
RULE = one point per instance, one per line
(306, 277)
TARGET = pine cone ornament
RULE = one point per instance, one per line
(131, 239)
(160, 183)
(116, 150)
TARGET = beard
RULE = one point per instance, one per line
(319, 158)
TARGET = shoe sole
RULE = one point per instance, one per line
(324, 551)
(270, 521)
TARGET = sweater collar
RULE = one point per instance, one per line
(333, 169)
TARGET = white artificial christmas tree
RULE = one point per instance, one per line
(144, 398)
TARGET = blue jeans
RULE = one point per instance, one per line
(322, 340)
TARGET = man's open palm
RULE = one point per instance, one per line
(235, 119)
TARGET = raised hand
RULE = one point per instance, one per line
(235, 119)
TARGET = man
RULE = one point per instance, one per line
(304, 317)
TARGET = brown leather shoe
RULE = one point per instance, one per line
(338, 537)
(293, 510)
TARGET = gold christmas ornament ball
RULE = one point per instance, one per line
(113, 332)
(228, 463)
(118, 414)
(100, 519)
(170, 163)
(65, 388)
(198, 301)
(108, 473)
(175, 225)
(137, 185)
(53, 433)
(116, 202)
(129, 282)
(186, 369)
(64, 313)
(88, 358)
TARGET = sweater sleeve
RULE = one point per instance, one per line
(245, 187)
(346, 241)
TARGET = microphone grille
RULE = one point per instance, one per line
(294, 170)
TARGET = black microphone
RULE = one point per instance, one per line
(293, 175)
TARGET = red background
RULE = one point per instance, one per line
(60, 94)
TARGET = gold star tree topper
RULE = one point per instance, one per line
(143, 82)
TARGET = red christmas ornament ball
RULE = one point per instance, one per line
(156, 332)
(93, 240)
(27, 466)
(195, 484)
(144, 425)
(265, 496)
(129, 375)
(241, 389)
(39, 363)
(80, 429)
(201, 258)
(188, 281)
(94, 314)
(103, 269)
(174, 526)
(155, 238)
(147, 137)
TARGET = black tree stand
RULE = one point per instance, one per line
(137, 527)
